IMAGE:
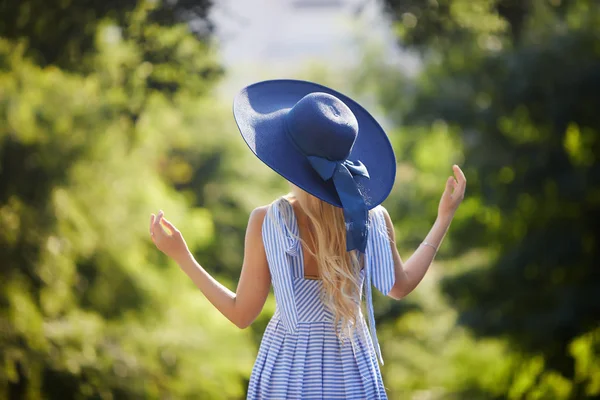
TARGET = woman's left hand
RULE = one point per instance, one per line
(453, 194)
(171, 243)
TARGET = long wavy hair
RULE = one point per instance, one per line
(338, 269)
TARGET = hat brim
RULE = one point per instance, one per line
(259, 111)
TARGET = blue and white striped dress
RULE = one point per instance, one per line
(300, 356)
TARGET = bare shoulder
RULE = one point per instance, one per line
(257, 216)
(259, 212)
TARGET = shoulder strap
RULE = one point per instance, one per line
(379, 266)
(289, 228)
(277, 243)
(380, 258)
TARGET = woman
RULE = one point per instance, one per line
(322, 247)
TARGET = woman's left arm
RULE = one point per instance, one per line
(408, 275)
(241, 307)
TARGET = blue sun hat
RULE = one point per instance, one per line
(323, 142)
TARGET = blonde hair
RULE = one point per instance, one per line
(339, 269)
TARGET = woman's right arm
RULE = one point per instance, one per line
(245, 304)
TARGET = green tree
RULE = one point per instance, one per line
(61, 32)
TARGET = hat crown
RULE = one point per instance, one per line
(322, 125)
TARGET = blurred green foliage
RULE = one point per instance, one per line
(63, 32)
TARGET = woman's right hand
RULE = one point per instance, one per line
(453, 194)
(171, 243)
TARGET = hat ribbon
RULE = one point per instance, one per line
(356, 212)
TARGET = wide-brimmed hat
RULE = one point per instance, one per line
(321, 141)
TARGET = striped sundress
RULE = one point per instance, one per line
(300, 356)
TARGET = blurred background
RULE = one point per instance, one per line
(111, 110)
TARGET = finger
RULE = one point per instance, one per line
(450, 182)
(462, 181)
(170, 226)
(151, 223)
(157, 221)
(460, 176)
(459, 190)
(157, 232)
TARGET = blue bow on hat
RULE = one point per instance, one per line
(356, 213)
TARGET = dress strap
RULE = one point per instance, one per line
(379, 266)
(291, 230)
(280, 246)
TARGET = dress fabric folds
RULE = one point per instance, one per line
(300, 356)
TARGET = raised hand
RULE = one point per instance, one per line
(169, 241)
(453, 194)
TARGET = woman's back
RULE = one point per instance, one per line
(301, 355)
(305, 233)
